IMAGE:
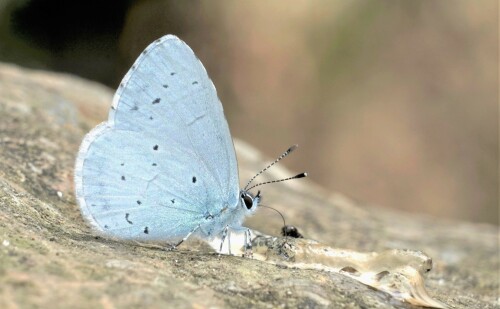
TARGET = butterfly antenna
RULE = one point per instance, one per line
(283, 155)
(301, 175)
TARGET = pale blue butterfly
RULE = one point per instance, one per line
(163, 167)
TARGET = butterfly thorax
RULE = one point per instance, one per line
(231, 217)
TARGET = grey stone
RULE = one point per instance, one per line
(50, 258)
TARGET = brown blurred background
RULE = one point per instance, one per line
(394, 103)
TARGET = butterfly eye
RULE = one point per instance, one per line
(248, 201)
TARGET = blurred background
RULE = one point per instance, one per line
(393, 103)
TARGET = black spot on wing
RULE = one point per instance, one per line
(139, 202)
(165, 86)
(155, 147)
(157, 100)
(126, 218)
(154, 164)
(195, 83)
(172, 74)
(146, 230)
(194, 179)
(123, 178)
(173, 201)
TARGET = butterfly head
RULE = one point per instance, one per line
(249, 201)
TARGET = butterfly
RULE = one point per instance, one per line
(163, 166)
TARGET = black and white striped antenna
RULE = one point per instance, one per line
(282, 156)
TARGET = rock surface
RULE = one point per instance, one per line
(50, 258)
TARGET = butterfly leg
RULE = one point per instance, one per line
(225, 233)
(248, 244)
(173, 247)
